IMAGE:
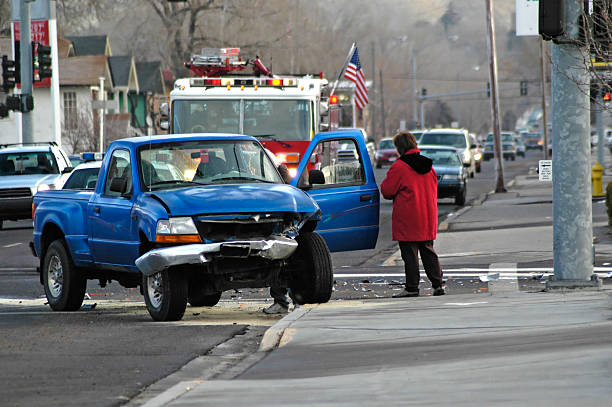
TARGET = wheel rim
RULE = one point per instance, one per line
(154, 290)
(55, 276)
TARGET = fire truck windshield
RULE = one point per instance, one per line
(279, 118)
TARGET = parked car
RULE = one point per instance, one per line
(457, 138)
(451, 172)
(226, 221)
(508, 146)
(84, 176)
(386, 153)
(26, 170)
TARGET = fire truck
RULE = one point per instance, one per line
(283, 111)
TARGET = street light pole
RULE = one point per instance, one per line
(414, 88)
(494, 97)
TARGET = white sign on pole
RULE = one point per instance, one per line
(545, 170)
(527, 13)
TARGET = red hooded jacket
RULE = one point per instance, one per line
(412, 183)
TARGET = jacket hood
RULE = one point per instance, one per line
(419, 163)
(241, 198)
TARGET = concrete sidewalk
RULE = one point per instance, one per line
(506, 347)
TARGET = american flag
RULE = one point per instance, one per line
(355, 73)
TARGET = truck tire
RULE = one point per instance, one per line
(197, 298)
(313, 279)
(64, 286)
(165, 295)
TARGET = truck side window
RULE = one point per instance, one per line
(120, 167)
(340, 163)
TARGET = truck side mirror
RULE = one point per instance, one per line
(118, 185)
(164, 116)
(316, 177)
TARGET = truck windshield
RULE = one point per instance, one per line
(205, 162)
(281, 119)
(31, 162)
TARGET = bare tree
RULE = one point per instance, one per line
(78, 133)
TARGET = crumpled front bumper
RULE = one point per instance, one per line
(276, 248)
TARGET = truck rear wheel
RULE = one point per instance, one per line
(64, 286)
(165, 294)
(312, 278)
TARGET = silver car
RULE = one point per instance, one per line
(26, 170)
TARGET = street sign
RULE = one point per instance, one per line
(545, 170)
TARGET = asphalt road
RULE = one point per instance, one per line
(112, 350)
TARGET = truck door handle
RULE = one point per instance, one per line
(365, 198)
(96, 209)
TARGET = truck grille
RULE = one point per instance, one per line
(241, 227)
(15, 193)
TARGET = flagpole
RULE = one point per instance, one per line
(346, 61)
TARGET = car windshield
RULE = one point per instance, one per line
(205, 162)
(444, 139)
(505, 137)
(30, 162)
(276, 119)
(386, 145)
(85, 178)
(442, 157)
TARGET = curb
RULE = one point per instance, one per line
(273, 335)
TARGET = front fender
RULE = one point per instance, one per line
(148, 211)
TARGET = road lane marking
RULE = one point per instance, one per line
(495, 283)
(11, 245)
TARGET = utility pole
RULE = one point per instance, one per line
(544, 113)
(494, 97)
(414, 89)
(572, 205)
(382, 105)
(25, 50)
(373, 93)
(101, 115)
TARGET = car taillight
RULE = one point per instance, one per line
(33, 210)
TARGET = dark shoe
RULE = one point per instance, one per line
(276, 308)
(405, 293)
(438, 291)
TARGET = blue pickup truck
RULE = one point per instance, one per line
(186, 217)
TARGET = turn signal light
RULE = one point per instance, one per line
(178, 239)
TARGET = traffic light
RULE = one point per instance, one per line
(523, 88)
(9, 73)
(423, 92)
(41, 61)
(606, 97)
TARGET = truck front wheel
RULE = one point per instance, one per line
(64, 286)
(165, 295)
(312, 277)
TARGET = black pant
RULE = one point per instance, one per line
(410, 254)
(280, 295)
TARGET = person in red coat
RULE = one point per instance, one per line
(412, 184)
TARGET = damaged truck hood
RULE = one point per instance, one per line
(232, 198)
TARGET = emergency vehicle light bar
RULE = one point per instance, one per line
(246, 82)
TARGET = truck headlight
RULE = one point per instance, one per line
(45, 187)
(177, 230)
(466, 156)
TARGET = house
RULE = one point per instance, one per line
(132, 92)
